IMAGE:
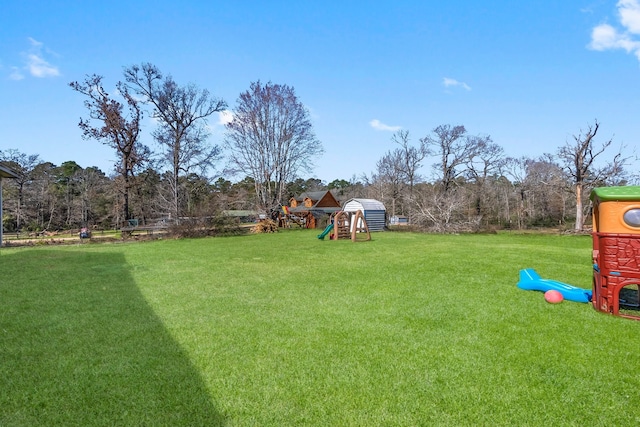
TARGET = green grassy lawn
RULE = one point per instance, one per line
(285, 329)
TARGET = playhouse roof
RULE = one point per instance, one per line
(608, 194)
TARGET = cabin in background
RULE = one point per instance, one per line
(312, 209)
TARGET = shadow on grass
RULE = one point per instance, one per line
(79, 345)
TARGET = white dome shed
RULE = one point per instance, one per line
(373, 210)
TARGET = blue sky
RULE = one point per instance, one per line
(529, 74)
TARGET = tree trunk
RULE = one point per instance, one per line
(579, 215)
(174, 182)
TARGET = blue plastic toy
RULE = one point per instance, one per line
(531, 281)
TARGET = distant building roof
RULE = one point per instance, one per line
(5, 172)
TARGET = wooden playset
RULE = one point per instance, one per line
(347, 225)
(616, 250)
(350, 225)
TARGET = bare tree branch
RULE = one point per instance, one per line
(579, 160)
(270, 139)
(182, 113)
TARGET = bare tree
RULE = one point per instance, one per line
(270, 139)
(145, 197)
(22, 164)
(44, 194)
(68, 189)
(486, 159)
(182, 113)
(389, 178)
(546, 189)
(454, 150)
(118, 129)
(411, 157)
(91, 182)
(579, 160)
(397, 172)
(451, 145)
(439, 211)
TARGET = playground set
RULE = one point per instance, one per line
(349, 222)
(347, 225)
(616, 257)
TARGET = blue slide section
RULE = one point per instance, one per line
(531, 281)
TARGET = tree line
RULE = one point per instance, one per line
(473, 184)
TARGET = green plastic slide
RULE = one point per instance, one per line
(325, 232)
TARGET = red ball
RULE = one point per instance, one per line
(553, 297)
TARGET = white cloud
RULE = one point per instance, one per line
(35, 63)
(38, 67)
(225, 117)
(16, 74)
(35, 43)
(603, 37)
(607, 37)
(448, 82)
(378, 125)
(629, 11)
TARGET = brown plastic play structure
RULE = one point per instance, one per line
(616, 250)
(349, 225)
